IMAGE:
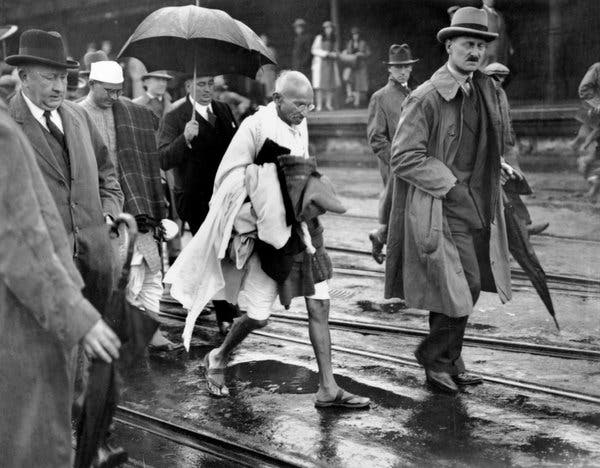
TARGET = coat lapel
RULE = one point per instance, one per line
(32, 128)
(72, 133)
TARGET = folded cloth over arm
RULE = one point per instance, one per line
(262, 185)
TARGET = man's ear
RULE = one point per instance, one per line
(448, 45)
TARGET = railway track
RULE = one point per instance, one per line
(375, 221)
(559, 282)
(206, 442)
(513, 383)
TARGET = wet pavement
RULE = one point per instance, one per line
(272, 382)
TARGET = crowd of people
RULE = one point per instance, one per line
(76, 153)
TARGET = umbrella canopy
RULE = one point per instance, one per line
(521, 249)
(190, 38)
(134, 328)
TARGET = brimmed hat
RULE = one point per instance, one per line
(42, 47)
(92, 57)
(468, 21)
(496, 68)
(299, 22)
(400, 55)
(328, 23)
(157, 74)
(453, 9)
(106, 71)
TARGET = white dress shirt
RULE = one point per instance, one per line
(202, 110)
(38, 113)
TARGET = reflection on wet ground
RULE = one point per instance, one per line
(271, 407)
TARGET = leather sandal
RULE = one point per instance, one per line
(215, 379)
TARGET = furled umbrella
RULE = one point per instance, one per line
(135, 328)
(522, 251)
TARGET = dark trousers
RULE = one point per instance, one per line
(441, 350)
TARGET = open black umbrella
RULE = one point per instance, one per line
(135, 328)
(522, 251)
(191, 38)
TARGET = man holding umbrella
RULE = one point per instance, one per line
(193, 139)
(451, 239)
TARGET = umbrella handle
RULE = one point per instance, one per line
(194, 90)
(129, 222)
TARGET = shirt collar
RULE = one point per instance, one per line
(152, 96)
(457, 75)
(36, 110)
(200, 106)
(398, 83)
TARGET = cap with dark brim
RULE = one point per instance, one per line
(465, 30)
(404, 62)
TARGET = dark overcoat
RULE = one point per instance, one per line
(43, 314)
(194, 167)
(84, 196)
(423, 264)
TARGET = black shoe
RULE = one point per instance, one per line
(537, 228)
(464, 378)
(441, 381)
(110, 457)
(376, 247)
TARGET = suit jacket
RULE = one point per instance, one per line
(43, 314)
(82, 197)
(194, 168)
(160, 108)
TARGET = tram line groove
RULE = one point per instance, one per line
(206, 442)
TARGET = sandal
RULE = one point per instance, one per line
(342, 401)
(215, 380)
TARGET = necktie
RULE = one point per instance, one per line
(468, 87)
(55, 131)
(212, 118)
(60, 137)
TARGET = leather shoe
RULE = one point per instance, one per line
(464, 378)
(535, 229)
(441, 381)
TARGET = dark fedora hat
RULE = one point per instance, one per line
(42, 47)
(468, 21)
(400, 55)
(92, 57)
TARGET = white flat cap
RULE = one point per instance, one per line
(106, 71)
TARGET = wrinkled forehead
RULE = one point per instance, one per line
(115, 86)
(469, 41)
(47, 69)
(202, 80)
(298, 92)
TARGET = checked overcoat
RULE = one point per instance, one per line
(423, 264)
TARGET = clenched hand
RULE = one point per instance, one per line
(101, 342)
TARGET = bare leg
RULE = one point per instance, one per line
(240, 329)
(329, 100)
(320, 338)
(319, 99)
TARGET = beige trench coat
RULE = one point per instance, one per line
(423, 264)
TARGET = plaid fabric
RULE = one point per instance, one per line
(139, 160)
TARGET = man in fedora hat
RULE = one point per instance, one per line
(449, 239)
(43, 314)
(88, 59)
(193, 138)
(156, 97)
(301, 55)
(71, 155)
(384, 113)
(129, 130)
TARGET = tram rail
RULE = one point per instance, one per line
(513, 383)
(206, 442)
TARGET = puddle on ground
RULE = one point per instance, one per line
(386, 307)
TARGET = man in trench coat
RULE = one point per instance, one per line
(43, 315)
(447, 237)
